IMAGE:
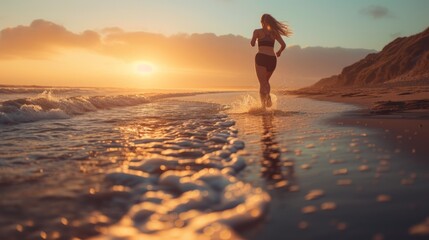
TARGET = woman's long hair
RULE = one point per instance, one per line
(276, 26)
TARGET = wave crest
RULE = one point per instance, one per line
(48, 106)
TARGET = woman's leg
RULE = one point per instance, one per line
(264, 86)
(268, 97)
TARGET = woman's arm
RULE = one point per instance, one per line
(282, 44)
(254, 38)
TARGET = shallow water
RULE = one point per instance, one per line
(166, 166)
(175, 168)
(369, 188)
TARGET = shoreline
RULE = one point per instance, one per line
(400, 114)
(336, 138)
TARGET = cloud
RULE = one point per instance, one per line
(206, 51)
(42, 38)
(109, 30)
(199, 58)
(377, 12)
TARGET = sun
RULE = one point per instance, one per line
(144, 68)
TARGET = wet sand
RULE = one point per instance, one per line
(329, 181)
(399, 136)
(401, 112)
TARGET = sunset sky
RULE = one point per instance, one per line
(152, 44)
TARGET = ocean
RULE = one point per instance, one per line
(84, 163)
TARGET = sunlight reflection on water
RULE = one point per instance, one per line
(175, 169)
(292, 155)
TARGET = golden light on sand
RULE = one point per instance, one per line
(144, 68)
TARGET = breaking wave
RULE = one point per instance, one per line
(48, 106)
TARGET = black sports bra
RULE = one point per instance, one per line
(266, 41)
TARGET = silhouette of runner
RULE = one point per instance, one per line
(266, 60)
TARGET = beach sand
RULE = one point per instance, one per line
(401, 112)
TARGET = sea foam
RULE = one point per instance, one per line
(47, 105)
(187, 188)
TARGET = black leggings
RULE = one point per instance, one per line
(267, 61)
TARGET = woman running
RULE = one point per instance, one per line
(265, 60)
